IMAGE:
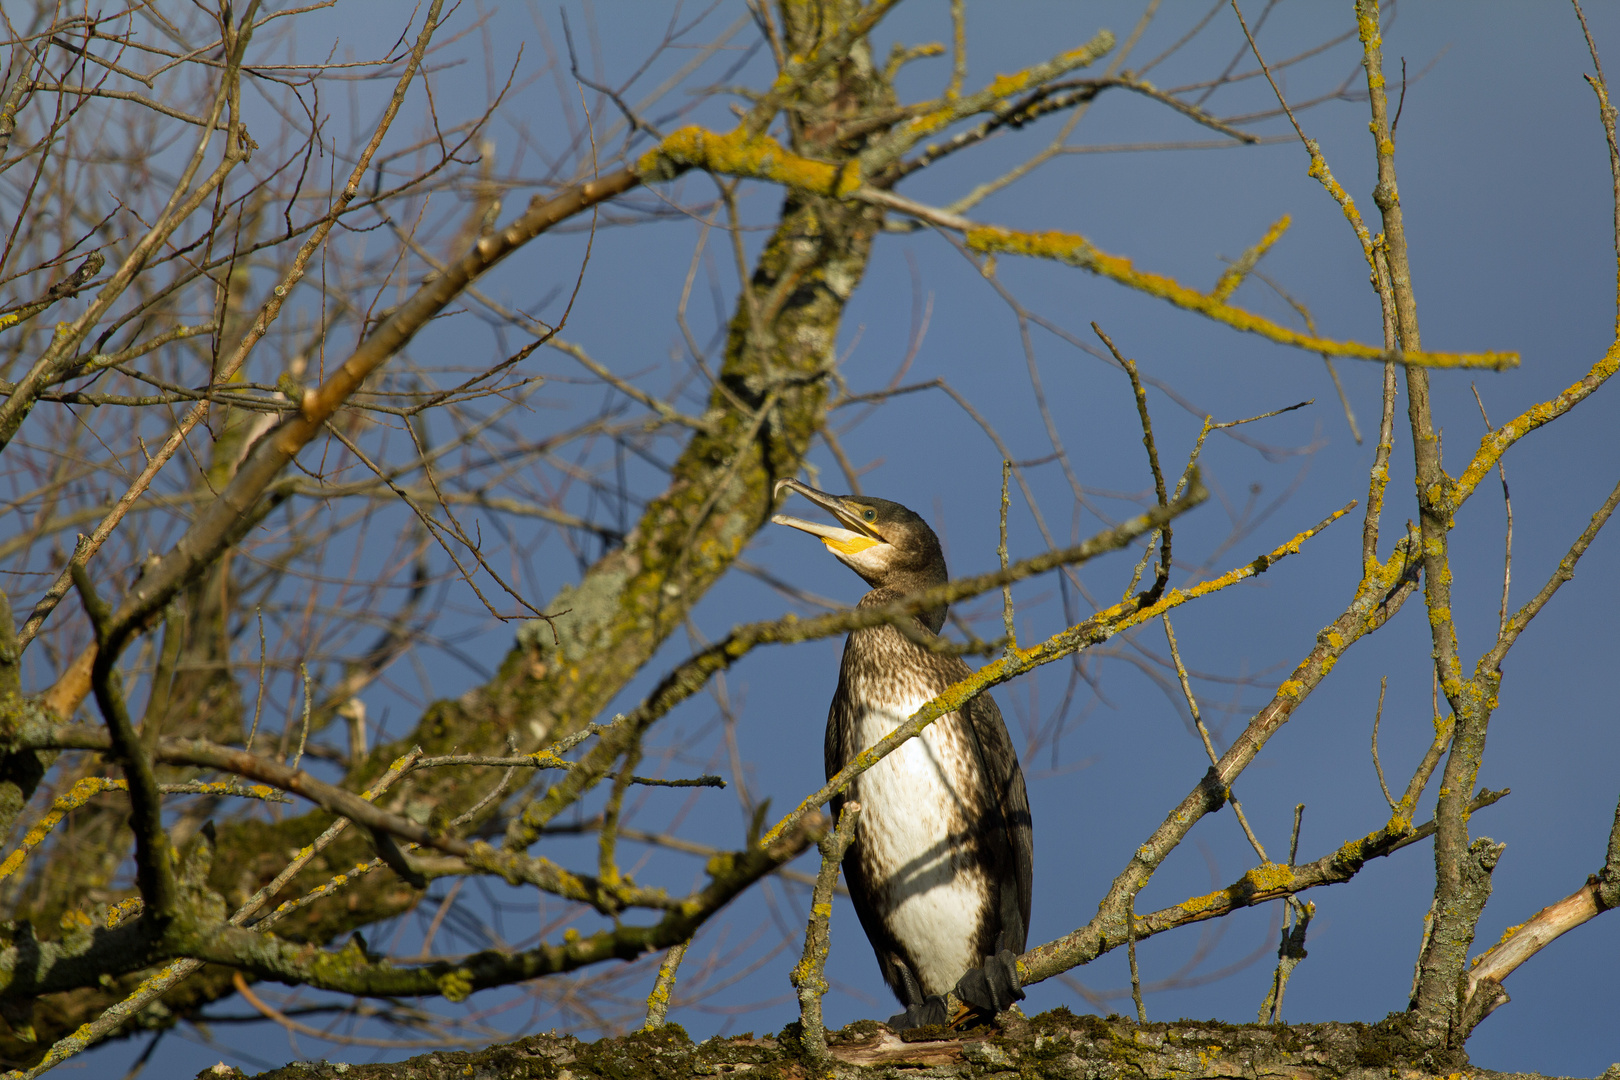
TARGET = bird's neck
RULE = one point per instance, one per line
(932, 618)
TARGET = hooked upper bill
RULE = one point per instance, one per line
(857, 537)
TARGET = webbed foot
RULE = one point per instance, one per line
(930, 1012)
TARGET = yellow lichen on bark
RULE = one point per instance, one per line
(1269, 877)
(739, 153)
(1200, 904)
(1077, 251)
(79, 794)
(1368, 30)
(1233, 276)
(1495, 443)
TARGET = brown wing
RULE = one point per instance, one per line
(1000, 763)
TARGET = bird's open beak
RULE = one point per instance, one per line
(858, 536)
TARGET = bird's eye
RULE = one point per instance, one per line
(870, 514)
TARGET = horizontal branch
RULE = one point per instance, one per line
(125, 95)
(351, 971)
(201, 752)
(1273, 881)
(547, 759)
(466, 857)
(86, 952)
(1076, 250)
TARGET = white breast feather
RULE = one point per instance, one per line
(910, 812)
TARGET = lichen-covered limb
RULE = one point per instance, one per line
(1233, 275)
(1484, 993)
(350, 970)
(85, 953)
(1323, 175)
(150, 989)
(1034, 105)
(741, 152)
(1495, 443)
(1274, 881)
(610, 897)
(329, 797)
(1056, 1043)
(80, 793)
(1452, 932)
(82, 954)
(746, 151)
(1379, 596)
(1076, 250)
(1319, 170)
(1444, 1014)
(466, 857)
(664, 987)
(89, 787)
(1609, 876)
(1378, 475)
(809, 974)
(935, 116)
(1290, 951)
(1435, 1003)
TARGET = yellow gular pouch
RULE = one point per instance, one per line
(850, 546)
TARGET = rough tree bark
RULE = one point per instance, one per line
(1056, 1044)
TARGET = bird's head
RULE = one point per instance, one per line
(882, 541)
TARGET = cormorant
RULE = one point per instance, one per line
(941, 862)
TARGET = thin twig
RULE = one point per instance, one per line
(1162, 574)
(1136, 976)
(303, 736)
(1383, 684)
(1507, 504)
(1001, 551)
